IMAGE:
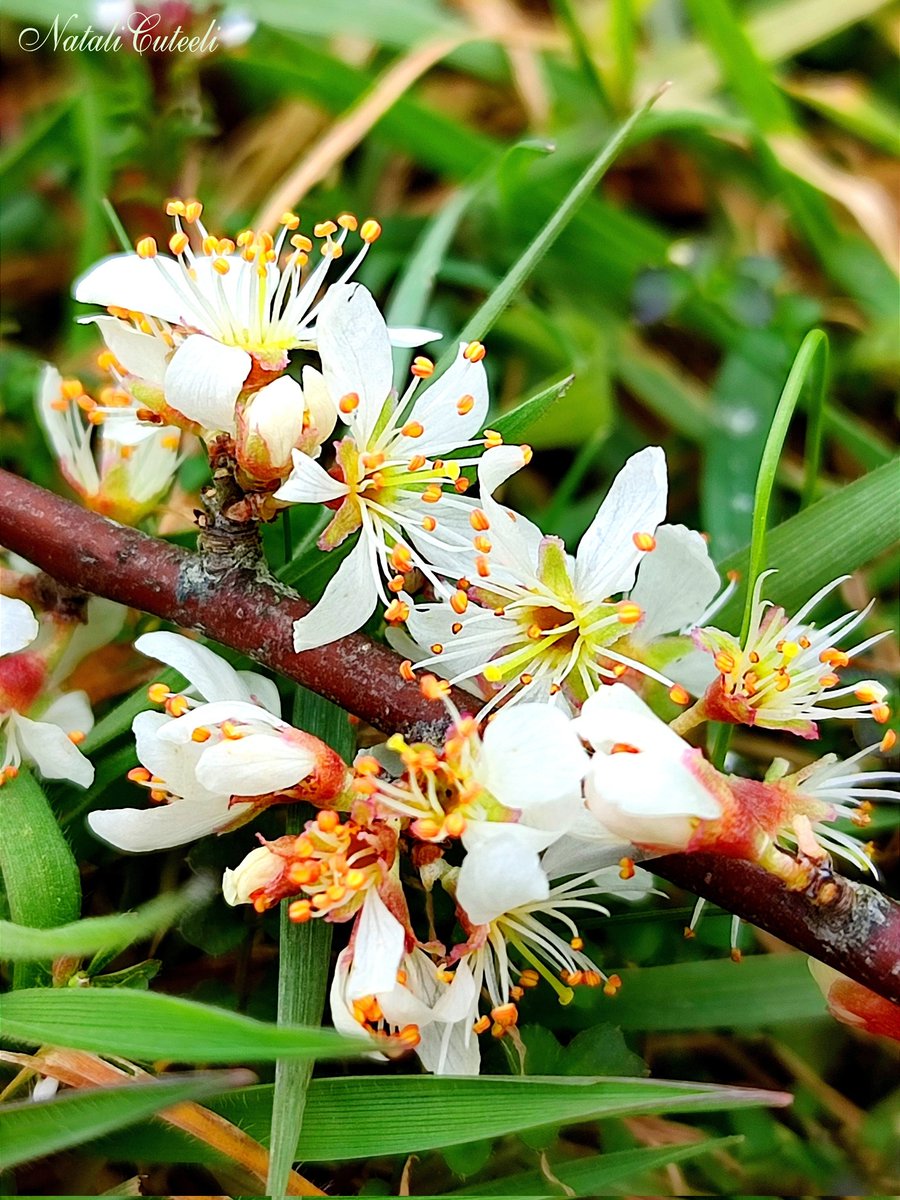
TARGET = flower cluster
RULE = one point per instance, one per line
(465, 868)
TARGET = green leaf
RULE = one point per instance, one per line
(355, 1117)
(513, 425)
(303, 962)
(31, 1130)
(593, 1176)
(149, 1025)
(761, 990)
(22, 943)
(39, 871)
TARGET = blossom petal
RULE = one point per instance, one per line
(262, 691)
(355, 351)
(617, 714)
(139, 830)
(378, 945)
(514, 539)
(204, 380)
(49, 748)
(253, 765)
(18, 625)
(436, 410)
(309, 483)
(676, 582)
(498, 876)
(70, 712)
(208, 674)
(155, 286)
(173, 762)
(140, 354)
(319, 404)
(607, 557)
(432, 624)
(410, 336)
(240, 711)
(347, 603)
(532, 757)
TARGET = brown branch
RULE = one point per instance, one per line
(847, 925)
(851, 927)
(242, 609)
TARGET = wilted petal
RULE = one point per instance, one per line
(607, 557)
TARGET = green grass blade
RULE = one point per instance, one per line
(150, 1025)
(23, 943)
(565, 10)
(814, 343)
(487, 314)
(834, 536)
(40, 874)
(414, 1113)
(760, 991)
(30, 1130)
(304, 956)
(593, 1176)
(815, 391)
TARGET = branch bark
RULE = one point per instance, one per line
(857, 931)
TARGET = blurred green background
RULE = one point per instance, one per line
(758, 199)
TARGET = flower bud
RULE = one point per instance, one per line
(258, 870)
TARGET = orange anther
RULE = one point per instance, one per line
(299, 911)
(525, 679)
(481, 1025)
(324, 229)
(138, 775)
(462, 484)
(679, 695)
(881, 713)
(644, 541)
(492, 438)
(327, 820)
(348, 221)
(146, 247)
(201, 734)
(629, 612)
(623, 748)
(289, 220)
(370, 230)
(888, 742)
(482, 543)
(72, 389)
(724, 662)
(626, 868)
(482, 566)
(437, 648)
(432, 493)
(455, 824)
(505, 1015)
(349, 403)
(422, 367)
(396, 612)
(459, 602)
(414, 429)
(612, 985)
(465, 404)
(577, 943)
(406, 671)
(474, 352)
(478, 520)
(158, 693)
(174, 208)
(221, 266)
(433, 688)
